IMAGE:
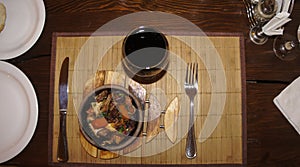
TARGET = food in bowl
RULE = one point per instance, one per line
(110, 117)
(2, 16)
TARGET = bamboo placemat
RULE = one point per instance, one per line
(227, 143)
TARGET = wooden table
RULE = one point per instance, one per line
(271, 140)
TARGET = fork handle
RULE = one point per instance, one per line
(191, 148)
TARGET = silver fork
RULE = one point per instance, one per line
(250, 13)
(191, 88)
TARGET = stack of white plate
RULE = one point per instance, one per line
(18, 102)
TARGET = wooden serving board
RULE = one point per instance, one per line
(220, 111)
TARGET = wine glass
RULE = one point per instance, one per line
(286, 47)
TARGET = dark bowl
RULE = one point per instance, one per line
(121, 130)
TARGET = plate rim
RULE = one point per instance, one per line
(35, 36)
(32, 112)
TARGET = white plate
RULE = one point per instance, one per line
(24, 24)
(18, 111)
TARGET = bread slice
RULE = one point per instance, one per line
(171, 118)
(2, 16)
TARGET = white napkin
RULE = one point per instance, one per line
(279, 4)
(288, 102)
(275, 25)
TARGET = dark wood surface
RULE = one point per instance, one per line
(271, 139)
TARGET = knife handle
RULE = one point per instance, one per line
(62, 149)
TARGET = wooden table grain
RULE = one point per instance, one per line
(271, 140)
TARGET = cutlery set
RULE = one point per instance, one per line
(267, 18)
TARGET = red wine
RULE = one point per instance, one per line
(145, 48)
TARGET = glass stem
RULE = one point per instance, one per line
(289, 45)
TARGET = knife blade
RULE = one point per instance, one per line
(62, 148)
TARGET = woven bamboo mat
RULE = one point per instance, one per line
(221, 79)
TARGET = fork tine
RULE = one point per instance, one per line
(191, 73)
(196, 77)
(249, 12)
(191, 76)
(187, 73)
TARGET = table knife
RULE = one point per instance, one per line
(62, 149)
